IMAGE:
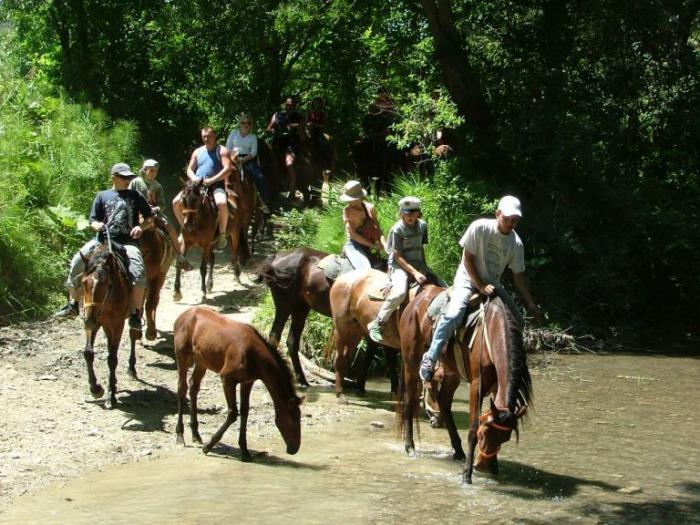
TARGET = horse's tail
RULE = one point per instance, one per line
(262, 271)
(243, 248)
(400, 389)
(280, 270)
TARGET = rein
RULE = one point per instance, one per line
(485, 421)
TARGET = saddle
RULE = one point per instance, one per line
(334, 266)
(122, 260)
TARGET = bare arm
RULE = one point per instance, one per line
(192, 166)
(521, 286)
(271, 126)
(470, 265)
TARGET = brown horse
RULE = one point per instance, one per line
(494, 361)
(106, 303)
(239, 354)
(297, 286)
(158, 253)
(353, 309)
(201, 225)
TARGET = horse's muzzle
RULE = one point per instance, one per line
(292, 448)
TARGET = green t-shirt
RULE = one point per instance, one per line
(153, 188)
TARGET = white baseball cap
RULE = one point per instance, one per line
(149, 163)
(409, 204)
(510, 206)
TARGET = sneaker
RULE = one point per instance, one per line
(221, 241)
(375, 330)
(69, 310)
(265, 209)
(135, 322)
(427, 367)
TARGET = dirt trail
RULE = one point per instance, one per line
(54, 431)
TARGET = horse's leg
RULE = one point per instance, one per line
(89, 353)
(210, 274)
(133, 337)
(113, 337)
(245, 407)
(364, 372)
(299, 315)
(231, 416)
(410, 398)
(445, 397)
(474, 409)
(392, 367)
(195, 382)
(282, 313)
(184, 362)
(203, 272)
(152, 300)
(177, 295)
(345, 347)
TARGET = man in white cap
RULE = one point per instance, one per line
(406, 261)
(489, 246)
(116, 210)
(365, 239)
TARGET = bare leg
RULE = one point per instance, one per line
(177, 210)
(230, 394)
(222, 210)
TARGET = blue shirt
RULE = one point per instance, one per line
(208, 162)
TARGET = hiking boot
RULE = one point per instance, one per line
(375, 330)
(182, 263)
(427, 368)
(135, 322)
(221, 241)
(69, 310)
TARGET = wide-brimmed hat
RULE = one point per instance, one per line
(510, 206)
(353, 191)
(409, 204)
(121, 169)
(149, 163)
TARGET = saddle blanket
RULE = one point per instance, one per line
(334, 266)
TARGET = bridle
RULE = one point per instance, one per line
(485, 421)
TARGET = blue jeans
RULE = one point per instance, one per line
(356, 254)
(453, 315)
(253, 169)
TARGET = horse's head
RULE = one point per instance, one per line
(288, 421)
(495, 428)
(192, 199)
(97, 283)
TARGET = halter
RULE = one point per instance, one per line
(486, 421)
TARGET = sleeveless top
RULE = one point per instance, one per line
(208, 162)
(369, 229)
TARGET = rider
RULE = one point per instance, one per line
(406, 261)
(286, 127)
(365, 238)
(210, 163)
(152, 191)
(489, 246)
(117, 211)
(244, 146)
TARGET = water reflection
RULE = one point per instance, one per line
(612, 440)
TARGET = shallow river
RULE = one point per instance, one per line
(611, 439)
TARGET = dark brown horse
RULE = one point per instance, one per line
(494, 362)
(106, 303)
(239, 354)
(298, 286)
(158, 253)
(200, 221)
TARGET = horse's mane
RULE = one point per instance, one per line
(519, 382)
(279, 359)
(97, 259)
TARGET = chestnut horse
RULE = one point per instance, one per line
(106, 303)
(494, 361)
(239, 354)
(353, 309)
(200, 220)
(298, 286)
(158, 253)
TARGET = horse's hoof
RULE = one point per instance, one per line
(97, 391)
(151, 334)
(410, 452)
(196, 438)
(111, 403)
(180, 440)
(177, 296)
(459, 456)
(436, 422)
(206, 449)
(210, 287)
(246, 457)
(132, 373)
(467, 479)
(342, 400)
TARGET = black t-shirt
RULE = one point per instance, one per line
(119, 210)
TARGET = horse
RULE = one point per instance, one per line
(353, 308)
(106, 304)
(297, 286)
(200, 226)
(239, 354)
(158, 254)
(493, 361)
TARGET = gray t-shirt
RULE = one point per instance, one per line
(493, 251)
(408, 241)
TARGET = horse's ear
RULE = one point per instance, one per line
(85, 259)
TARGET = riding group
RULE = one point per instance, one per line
(470, 331)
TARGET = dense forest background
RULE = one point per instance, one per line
(586, 110)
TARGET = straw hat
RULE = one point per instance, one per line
(352, 191)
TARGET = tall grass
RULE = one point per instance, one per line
(54, 156)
